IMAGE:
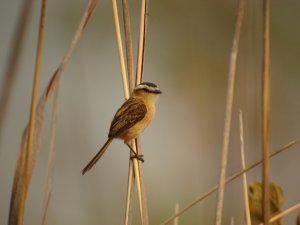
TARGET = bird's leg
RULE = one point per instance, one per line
(135, 155)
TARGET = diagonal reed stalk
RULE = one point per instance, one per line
(230, 179)
(13, 60)
(228, 111)
(245, 186)
(284, 213)
(25, 164)
(266, 92)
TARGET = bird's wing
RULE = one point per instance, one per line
(131, 112)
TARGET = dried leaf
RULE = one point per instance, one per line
(255, 202)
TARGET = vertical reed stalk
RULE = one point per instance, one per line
(245, 186)
(125, 85)
(128, 43)
(142, 38)
(142, 184)
(139, 75)
(120, 48)
(266, 92)
(228, 111)
(23, 173)
(176, 220)
(130, 69)
(30, 137)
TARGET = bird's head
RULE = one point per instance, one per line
(147, 90)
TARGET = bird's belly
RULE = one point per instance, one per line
(138, 128)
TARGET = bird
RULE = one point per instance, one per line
(131, 119)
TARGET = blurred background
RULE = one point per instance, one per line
(187, 55)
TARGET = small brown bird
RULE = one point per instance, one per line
(131, 118)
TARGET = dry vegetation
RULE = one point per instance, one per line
(31, 137)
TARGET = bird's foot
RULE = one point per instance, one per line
(138, 157)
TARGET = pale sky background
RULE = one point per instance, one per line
(187, 55)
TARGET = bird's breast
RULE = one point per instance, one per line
(139, 127)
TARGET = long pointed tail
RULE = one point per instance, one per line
(96, 157)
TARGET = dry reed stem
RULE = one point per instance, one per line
(10, 70)
(126, 92)
(142, 38)
(230, 179)
(128, 43)
(176, 210)
(266, 111)
(139, 74)
(19, 184)
(51, 156)
(130, 68)
(136, 146)
(120, 48)
(29, 150)
(130, 186)
(139, 178)
(245, 186)
(143, 189)
(284, 213)
(232, 221)
(228, 112)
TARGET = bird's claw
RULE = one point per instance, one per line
(138, 157)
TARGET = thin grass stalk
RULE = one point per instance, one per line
(230, 179)
(283, 213)
(139, 74)
(120, 48)
(176, 210)
(19, 183)
(130, 186)
(130, 69)
(228, 111)
(13, 60)
(139, 176)
(143, 189)
(51, 156)
(142, 38)
(125, 85)
(128, 43)
(30, 138)
(232, 221)
(245, 186)
(266, 92)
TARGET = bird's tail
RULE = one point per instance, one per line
(96, 157)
